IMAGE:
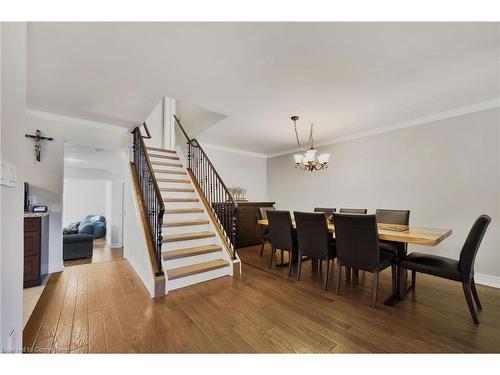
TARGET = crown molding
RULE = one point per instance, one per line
(72, 120)
(402, 125)
(233, 150)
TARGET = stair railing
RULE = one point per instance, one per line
(213, 188)
(151, 195)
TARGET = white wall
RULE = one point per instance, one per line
(237, 168)
(134, 238)
(446, 172)
(155, 125)
(13, 96)
(85, 197)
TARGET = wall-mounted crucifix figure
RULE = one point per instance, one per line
(37, 138)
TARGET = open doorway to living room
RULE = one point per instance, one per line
(92, 204)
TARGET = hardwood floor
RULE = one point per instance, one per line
(102, 253)
(103, 307)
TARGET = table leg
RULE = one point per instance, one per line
(400, 281)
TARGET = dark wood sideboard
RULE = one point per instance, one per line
(248, 232)
(36, 249)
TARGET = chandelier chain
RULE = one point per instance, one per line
(310, 140)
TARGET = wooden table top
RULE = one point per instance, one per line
(402, 233)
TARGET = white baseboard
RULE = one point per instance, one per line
(488, 280)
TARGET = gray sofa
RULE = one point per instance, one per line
(76, 246)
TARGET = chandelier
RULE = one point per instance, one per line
(307, 161)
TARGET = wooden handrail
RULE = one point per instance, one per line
(213, 188)
(150, 194)
(150, 166)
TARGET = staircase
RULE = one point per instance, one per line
(192, 249)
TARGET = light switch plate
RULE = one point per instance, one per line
(9, 174)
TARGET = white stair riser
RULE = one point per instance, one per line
(195, 279)
(185, 217)
(177, 205)
(190, 243)
(187, 261)
(178, 194)
(183, 185)
(173, 167)
(186, 229)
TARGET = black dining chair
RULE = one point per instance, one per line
(265, 230)
(358, 247)
(353, 210)
(461, 270)
(398, 249)
(314, 240)
(327, 211)
(282, 236)
(400, 217)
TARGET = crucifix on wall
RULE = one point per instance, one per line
(37, 138)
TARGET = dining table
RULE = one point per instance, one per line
(424, 236)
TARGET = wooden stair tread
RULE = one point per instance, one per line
(169, 171)
(181, 200)
(194, 269)
(187, 236)
(163, 157)
(161, 150)
(170, 224)
(190, 251)
(177, 190)
(184, 211)
(176, 180)
(162, 163)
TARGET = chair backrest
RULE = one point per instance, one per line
(281, 230)
(385, 216)
(357, 240)
(326, 211)
(471, 246)
(312, 234)
(353, 210)
(263, 211)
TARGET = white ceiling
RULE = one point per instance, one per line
(95, 158)
(345, 77)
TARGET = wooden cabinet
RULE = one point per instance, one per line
(35, 250)
(248, 232)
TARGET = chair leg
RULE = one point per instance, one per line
(394, 278)
(320, 261)
(325, 286)
(290, 263)
(262, 247)
(339, 270)
(272, 256)
(282, 257)
(299, 266)
(468, 298)
(355, 274)
(375, 289)
(413, 278)
(348, 273)
(474, 294)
